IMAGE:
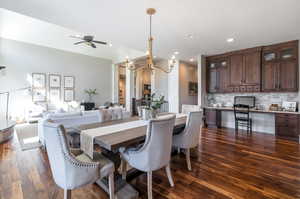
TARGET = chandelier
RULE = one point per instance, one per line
(150, 64)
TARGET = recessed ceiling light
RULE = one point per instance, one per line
(173, 57)
(127, 57)
(154, 56)
(176, 52)
(230, 40)
(192, 59)
(110, 44)
(190, 36)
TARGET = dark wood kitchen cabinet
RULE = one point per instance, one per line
(280, 67)
(252, 67)
(236, 69)
(212, 80)
(287, 125)
(271, 68)
(269, 79)
(212, 118)
(245, 70)
(217, 80)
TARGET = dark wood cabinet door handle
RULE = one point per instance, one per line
(275, 79)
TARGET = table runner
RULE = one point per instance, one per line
(87, 136)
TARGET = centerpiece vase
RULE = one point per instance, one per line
(153, 114)
(146, 114)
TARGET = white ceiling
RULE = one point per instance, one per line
(211, 22)
(30, 30)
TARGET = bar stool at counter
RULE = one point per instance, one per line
(242, 117)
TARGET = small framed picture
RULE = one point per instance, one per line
(193, 88)
(54, 95)
(54, 81)
(69, 95)
(69, 82)
(38, 80)
(39, 95)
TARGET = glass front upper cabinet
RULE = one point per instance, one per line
(212, 65)
(287, 54)
(223, 63)
(269, 56)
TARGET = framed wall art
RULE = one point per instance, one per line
(38, 80)
(39, 95)
(69, 82)
(193, 88)
(54, 81)
(54, 94)
(69, 95)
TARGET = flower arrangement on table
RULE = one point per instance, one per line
(154, 104)
(91, 93)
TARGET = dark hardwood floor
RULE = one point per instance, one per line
(225, 166)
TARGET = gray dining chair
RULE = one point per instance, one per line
(72, 168)
(189, 138)
(155, 153)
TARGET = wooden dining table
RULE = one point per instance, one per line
(125, 138)
(111, 143)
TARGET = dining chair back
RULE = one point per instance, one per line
(155, 152)
(69, 170)
(190, 136)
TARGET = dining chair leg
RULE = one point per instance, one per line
(169, 174)
(67, 194)
(124, 169)
(149, 176)
(188, 159)
(111, 186)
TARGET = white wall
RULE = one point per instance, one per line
(202, 94)
(129, 89)
(23, 59)
(159, 82)
(173, 89)
(187, 73)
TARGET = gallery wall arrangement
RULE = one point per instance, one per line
(43, 90)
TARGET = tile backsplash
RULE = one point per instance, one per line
(262, 99)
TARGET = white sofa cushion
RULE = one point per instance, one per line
(54, 116)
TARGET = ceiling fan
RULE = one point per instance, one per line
(88, 40)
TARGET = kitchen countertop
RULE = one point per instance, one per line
(251, 110)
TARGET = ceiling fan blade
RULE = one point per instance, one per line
(90, 44)
(80, 42)
(93, 45)
(100, 42)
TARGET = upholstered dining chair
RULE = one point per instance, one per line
(155, 153)
(189, 138)
(72, 168)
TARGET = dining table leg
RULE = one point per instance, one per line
(123, 190)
